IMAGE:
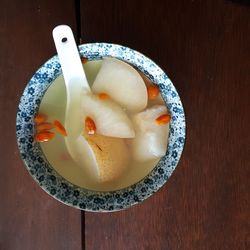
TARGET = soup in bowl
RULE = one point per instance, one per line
(133, 126)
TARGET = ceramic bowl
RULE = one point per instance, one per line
(58, 187)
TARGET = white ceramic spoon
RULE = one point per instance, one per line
(77, 89)
(74, 77)
(76, 86)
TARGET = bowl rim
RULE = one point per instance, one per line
(58, 187)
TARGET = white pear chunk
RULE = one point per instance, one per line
(111, 154)
(91, 69)
(151, 138)
(82, 154)
(110, 119)
(122, 83)
(103, 158)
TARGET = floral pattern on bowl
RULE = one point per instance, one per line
(81, 198)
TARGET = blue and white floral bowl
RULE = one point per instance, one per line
(58, 187)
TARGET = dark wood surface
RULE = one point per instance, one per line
(29, 218)
(204, 46)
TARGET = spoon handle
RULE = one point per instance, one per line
(69, 58)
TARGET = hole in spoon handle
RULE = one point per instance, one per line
(69, 57)
(64, 39)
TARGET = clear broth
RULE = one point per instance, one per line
(53, 104)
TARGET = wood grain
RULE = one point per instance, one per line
(204, 46)
(29, 218)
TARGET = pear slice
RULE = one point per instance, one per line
(82, 154)
(110, 119)
(112, 156)
(103, 158)
(122, 83)
(91, 69)
(151, 139)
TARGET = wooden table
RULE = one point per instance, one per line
(204, 46)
